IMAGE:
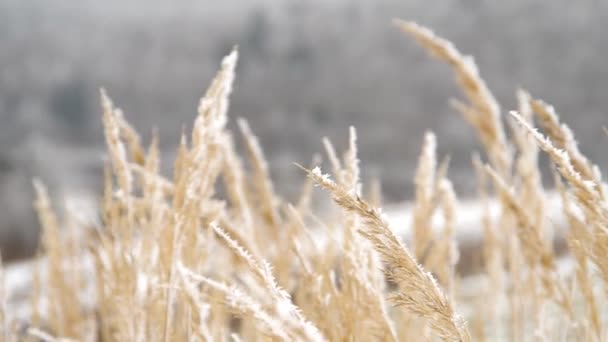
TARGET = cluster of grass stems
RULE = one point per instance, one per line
(170, 259)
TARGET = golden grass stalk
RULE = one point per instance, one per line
(361, 283)
(235, 183)
(333, 159)
(538, 256)
(531, 192)
(131, 137)
(449, 247)
(587, 194)
(64, 312)
(425, 203)
(285, 309)
(585, 190)
(419, 293)
(579, 237)
(116, 147)
(351, 162)
(375, 193)
(563, 138)
(264, 191)
(237, 300)
(482, 111)
(491, 251)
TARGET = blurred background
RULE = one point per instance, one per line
(307, 69)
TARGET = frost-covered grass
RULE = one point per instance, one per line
(168, 258)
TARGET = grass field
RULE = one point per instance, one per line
(213, 253)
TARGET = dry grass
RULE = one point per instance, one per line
(170, 259)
